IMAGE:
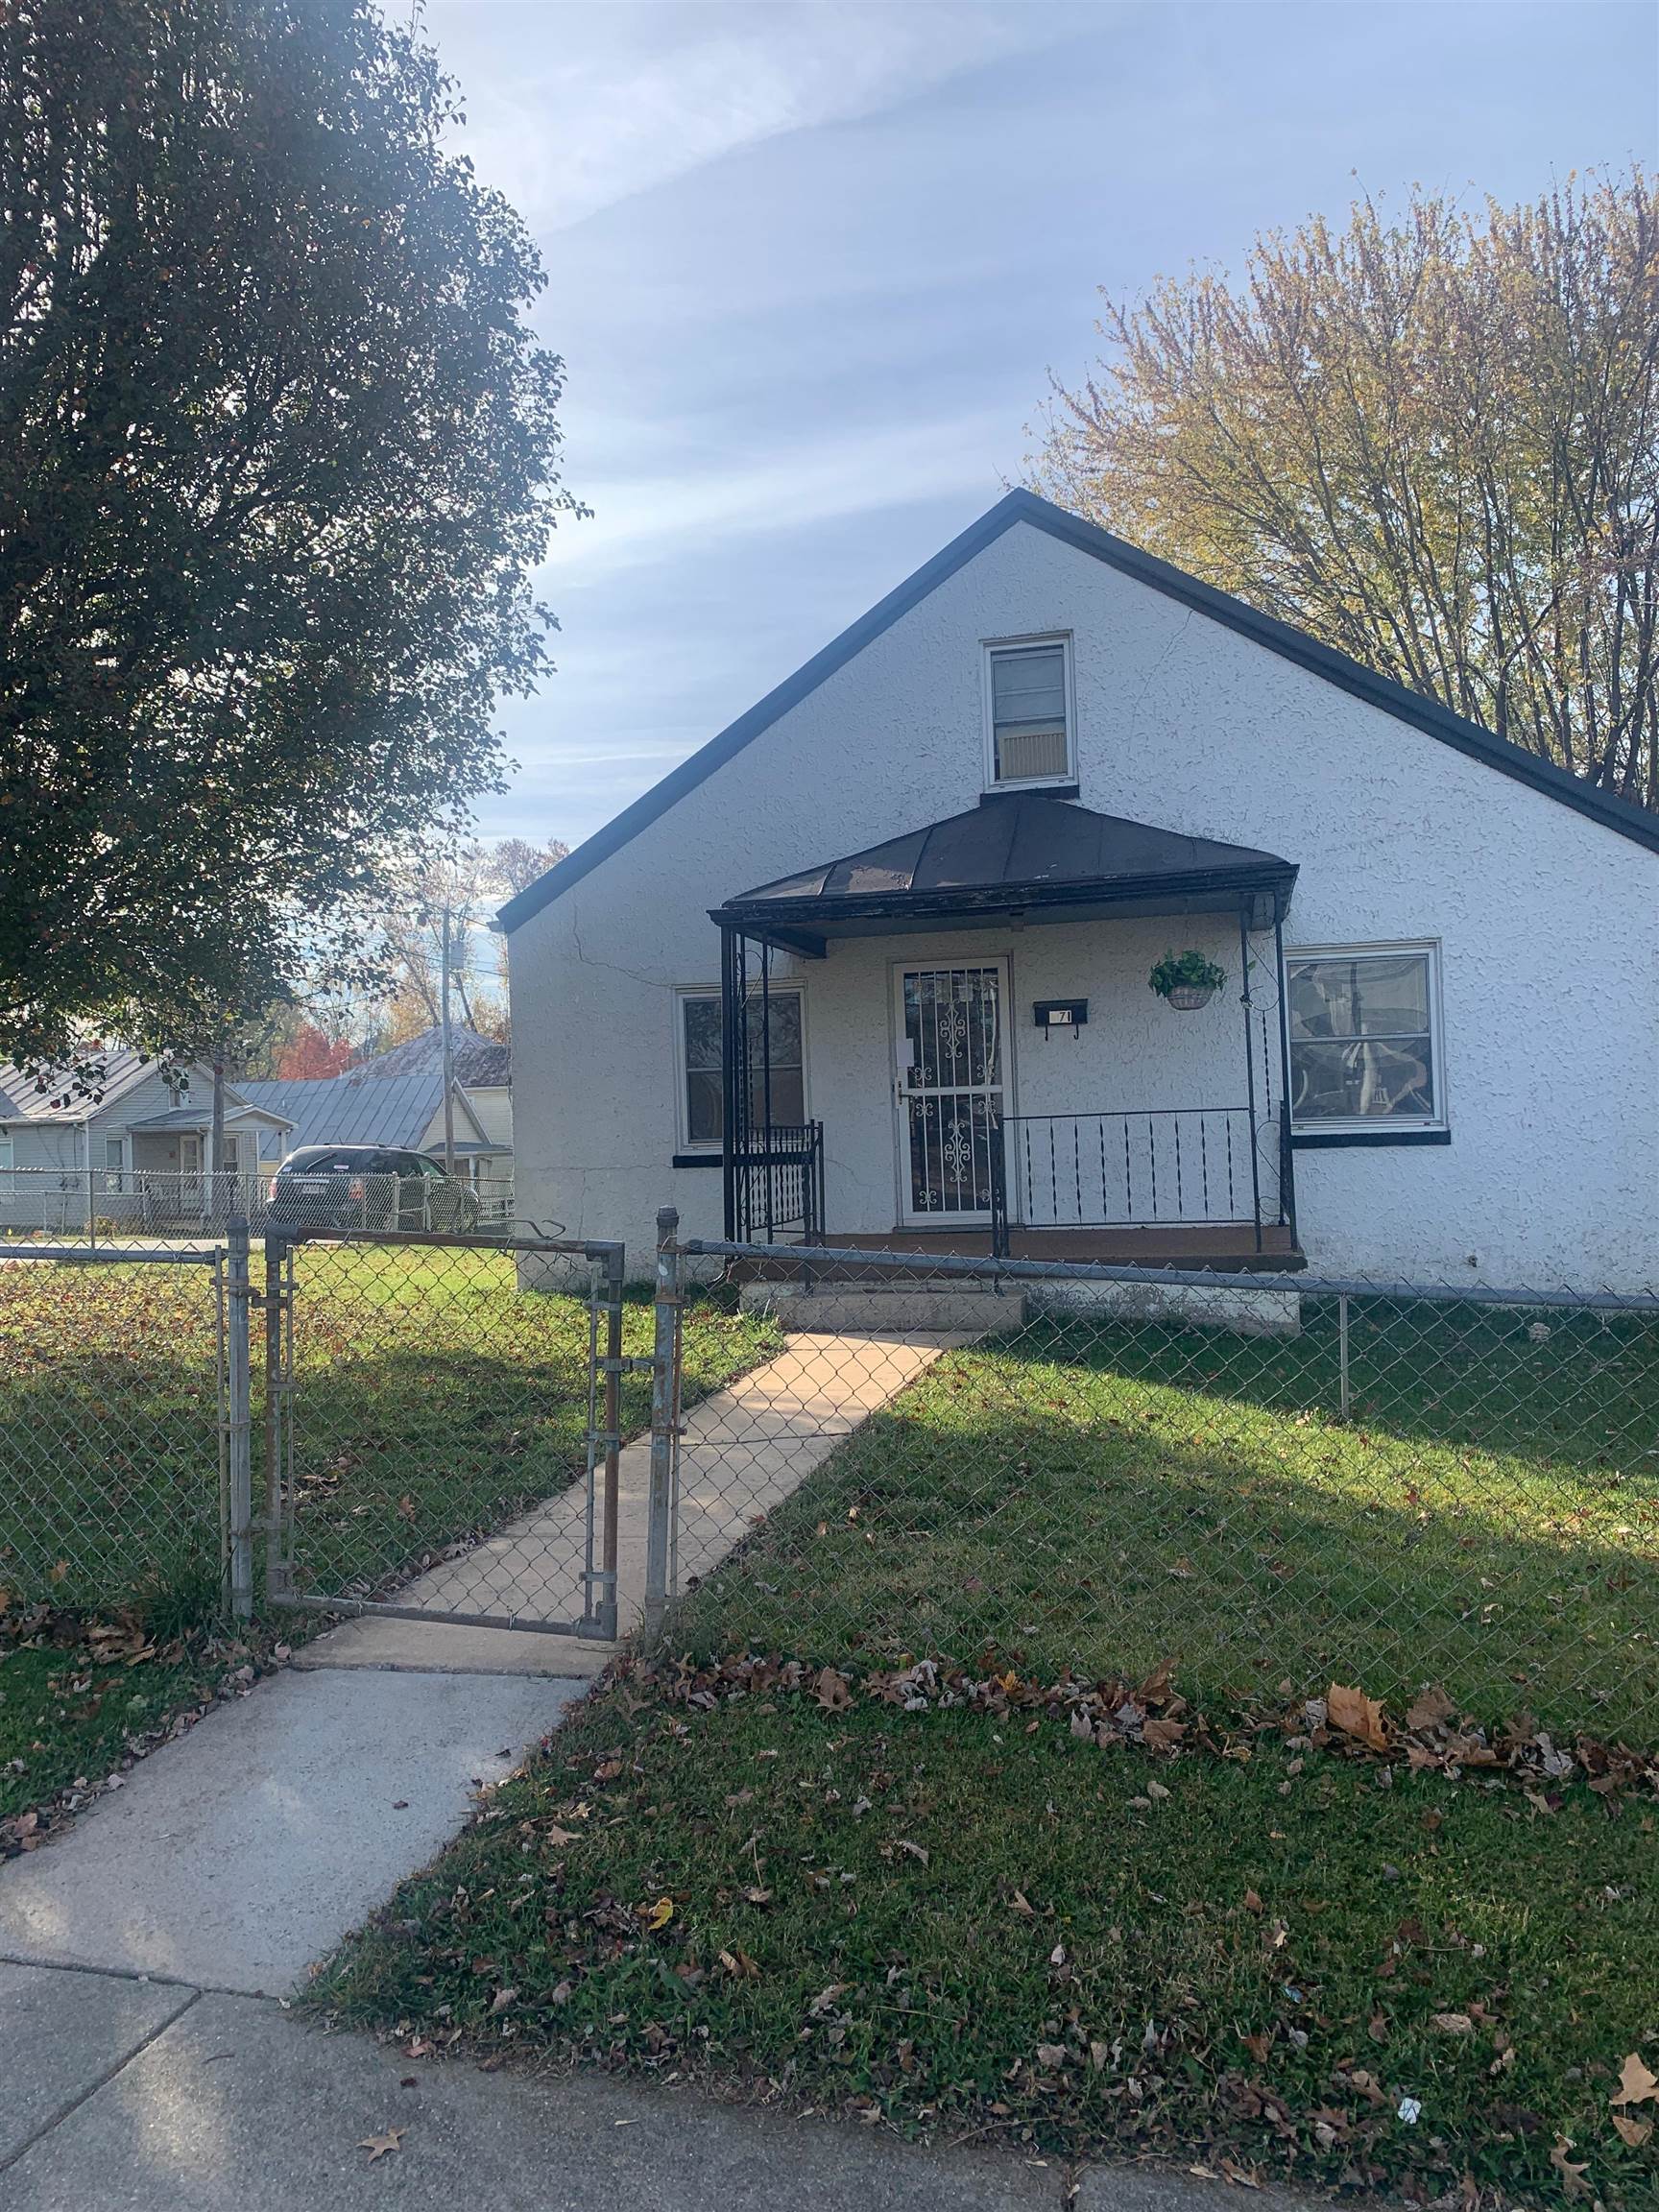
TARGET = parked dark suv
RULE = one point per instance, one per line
(348, 1186)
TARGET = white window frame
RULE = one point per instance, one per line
(702, 1147)
(989, 649)
(1381, 1126)
(114, 1155)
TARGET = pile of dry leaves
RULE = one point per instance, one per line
(1152, 1716)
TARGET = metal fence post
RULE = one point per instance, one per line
(277, 1324)
(662, 1421)
(1343, 1390)
(615, 1264)
(238, 1424)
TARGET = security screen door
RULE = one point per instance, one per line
(948, 1041)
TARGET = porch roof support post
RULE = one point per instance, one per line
(1287, 1149)
(729, 1078)
(1249, 1064)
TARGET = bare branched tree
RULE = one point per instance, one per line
(1431, 441)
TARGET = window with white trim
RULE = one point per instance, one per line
(1365, 1037)
(114, 1154)
(702, 1080)
(6, 1152)
(1029, 717)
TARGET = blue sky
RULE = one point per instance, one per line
(809, 266)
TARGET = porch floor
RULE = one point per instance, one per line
(1227, 1246)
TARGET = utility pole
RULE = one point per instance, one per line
(449, 1054)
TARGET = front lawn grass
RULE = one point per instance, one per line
(983, 1927)
(989, 1927)
(1105, 1497)
(433, 1399)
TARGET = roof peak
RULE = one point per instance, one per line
(1020, 505)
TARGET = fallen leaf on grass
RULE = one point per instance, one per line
(497, 2003)
(658, 1917)
(559, 1837)
(833, 1690)
(1451, 2023)
(377, 2146)
(1428, 1707)
(739, 1965)
(1358, 1715)
(913, 1850)
(1573, 2181)
(1635, 2132)
(1636, 2083)
(1253, 1901)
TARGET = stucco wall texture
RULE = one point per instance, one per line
(1548, 924)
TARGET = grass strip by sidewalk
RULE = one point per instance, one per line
(979, 1925)
(75, 1708)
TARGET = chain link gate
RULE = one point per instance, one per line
(442, 1442)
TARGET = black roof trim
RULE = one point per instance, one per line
(1423, 713)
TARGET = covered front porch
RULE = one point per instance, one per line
(981, 1066)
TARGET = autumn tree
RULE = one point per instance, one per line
(1432, 439)
(279, 455)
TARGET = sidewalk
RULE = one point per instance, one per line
(122, 2095)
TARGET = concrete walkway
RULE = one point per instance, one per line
(120, 2096)
(743, 1450)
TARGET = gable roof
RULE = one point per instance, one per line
(359, 1108)
(479, 1061)
(55, 1095)
(1022, 506)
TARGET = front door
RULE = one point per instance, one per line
(947, 1035)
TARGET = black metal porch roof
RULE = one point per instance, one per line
(1026, 854)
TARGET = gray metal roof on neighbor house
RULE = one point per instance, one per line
(1025, 852)
(58, 1095)
(480, 1063)
(362, 1109)
(200, 1116)
(1021, 506)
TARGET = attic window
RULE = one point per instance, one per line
(1029, 735)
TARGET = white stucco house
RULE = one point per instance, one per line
(874, 964)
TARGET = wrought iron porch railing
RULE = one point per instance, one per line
(778, 1183)
(1160, 1165)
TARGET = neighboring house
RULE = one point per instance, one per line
(994, 803)
(137, 1129)
(398, 1100)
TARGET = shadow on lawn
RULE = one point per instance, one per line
(1105, 1497)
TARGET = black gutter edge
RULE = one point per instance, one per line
(1620, 815)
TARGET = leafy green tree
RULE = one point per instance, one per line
(278, 455)
(1433, 440)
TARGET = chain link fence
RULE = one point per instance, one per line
(1270, 1482)
(112, 1461)
(441, 1441)
(154, 1206)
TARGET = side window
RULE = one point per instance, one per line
(702, 1082)
(1365, 1037)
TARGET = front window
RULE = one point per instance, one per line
(1365, 1037)
(702, 1085)
(1028, 704)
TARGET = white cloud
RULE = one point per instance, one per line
(598, 126)
(646, 519)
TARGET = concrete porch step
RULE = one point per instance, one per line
(886, 1309)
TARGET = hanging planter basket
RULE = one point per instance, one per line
(1186, 980)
